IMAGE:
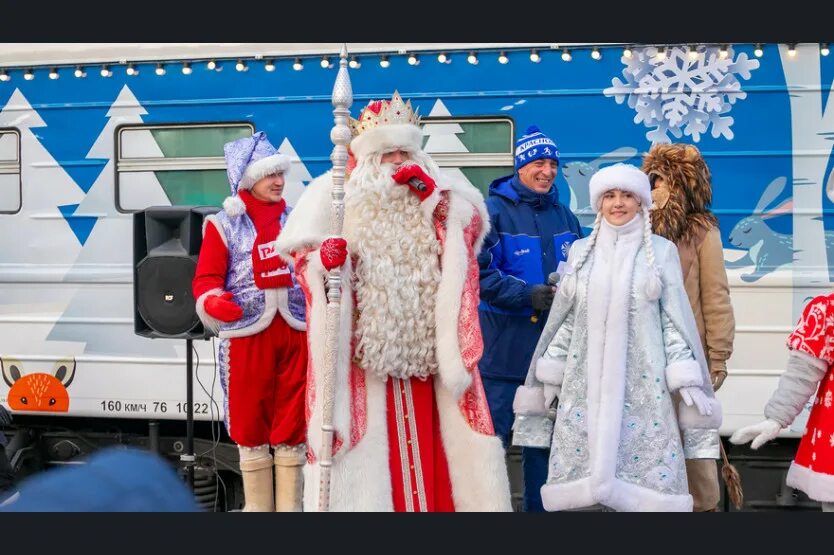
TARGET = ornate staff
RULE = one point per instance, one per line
(340, 135)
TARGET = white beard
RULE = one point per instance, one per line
(396, 275)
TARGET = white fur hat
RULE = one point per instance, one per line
(386, 138)
(624, 177)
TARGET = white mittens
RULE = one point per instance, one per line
(551, 392)
(693, 395)
(760, 433)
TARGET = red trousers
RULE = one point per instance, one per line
(267, 376)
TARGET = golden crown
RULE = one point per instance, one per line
(384, 112)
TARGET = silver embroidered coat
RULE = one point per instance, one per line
(617, 356)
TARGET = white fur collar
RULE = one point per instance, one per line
(632, 230)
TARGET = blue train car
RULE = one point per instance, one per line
(91, 134)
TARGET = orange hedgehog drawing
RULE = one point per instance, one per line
(38, 391)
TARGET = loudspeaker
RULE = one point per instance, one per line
(166, 245)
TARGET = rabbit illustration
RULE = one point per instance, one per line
(766, 248)
(578, 174)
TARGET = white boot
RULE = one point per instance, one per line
(256, 470)
(289, 463)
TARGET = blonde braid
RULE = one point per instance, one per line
(568, 287)
(654, 283)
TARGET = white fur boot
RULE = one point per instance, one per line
(289, 463)
(256, 470)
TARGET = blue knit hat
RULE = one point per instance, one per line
(534, 145)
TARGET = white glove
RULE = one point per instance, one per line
(693, 395)
(760, 433)
(551, 392)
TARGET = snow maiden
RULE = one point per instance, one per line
(619, 341)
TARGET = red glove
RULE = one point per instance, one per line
(333, 252)
(409, 171)
(223, 308)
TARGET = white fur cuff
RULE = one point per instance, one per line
(208, 321)
(550, 370)
(689, 418)
(684, 373)
(529, 401)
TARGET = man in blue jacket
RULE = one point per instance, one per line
(531, 233)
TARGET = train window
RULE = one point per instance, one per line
(173, 164)
(481, 148)
(10, 187)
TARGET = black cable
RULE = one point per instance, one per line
(215, 434)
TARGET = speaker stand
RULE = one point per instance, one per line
(188, 457)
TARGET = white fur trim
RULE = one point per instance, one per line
(624, 177)
(454, 264)
(477, 463)
(470, 193)
(208, 321)
(360, 479)
(316, 275)
(270, 310)
(529, 401)
(610, 280)
(684, 373)
(689, 417)
(284, 310)
(218, 227)
(386, 138)
(430, 203)
(816, 485)
(277, 163)
(309, 222)
(614, 493)
(550, 370)
(234, 206)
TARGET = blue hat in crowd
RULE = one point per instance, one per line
(534, 145)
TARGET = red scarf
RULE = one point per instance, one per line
(270, 271)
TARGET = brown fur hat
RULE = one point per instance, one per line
(690, 186)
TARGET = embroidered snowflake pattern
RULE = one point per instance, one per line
(827, 401)
(681, 95)
(831, 440)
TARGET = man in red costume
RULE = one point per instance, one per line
(413, 430)
(248, 295)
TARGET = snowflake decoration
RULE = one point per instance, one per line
(681, 95)
(827, 401)
(831, 440)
